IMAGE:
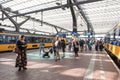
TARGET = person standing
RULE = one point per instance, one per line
(96, 45)
(70, 44)
(54, 48)
(57, 47)
(81, 42)
(41, 46)
(90, 45)
(76, 47)
(101, 45)
(63, 46)
(85, 45)
(21, 60)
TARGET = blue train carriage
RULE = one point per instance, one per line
(8, 41)
(112, 43)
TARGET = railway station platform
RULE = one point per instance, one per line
(90, 65)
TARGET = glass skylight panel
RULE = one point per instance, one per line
(94, 4)
(102, 13)
(106, 9)
(14, 3)
(37, 8)
(7, 22)
(57, 13)
(4, 1)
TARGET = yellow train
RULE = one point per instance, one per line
(8, 40)
(112, 43)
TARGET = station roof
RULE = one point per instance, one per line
(101, 15)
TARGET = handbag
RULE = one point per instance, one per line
(16, 50)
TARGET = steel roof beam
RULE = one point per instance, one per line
(17, 25)
(55, 7)
(6, 1)
(80, 31)
(46, 23)
(60, 30)
(56, 29)
(100, 33)
(51, 8)
(37, 20)
(83, 14)
(73, 16)
(25, 29)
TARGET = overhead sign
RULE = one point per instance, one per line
(61, 34)
(75, 34)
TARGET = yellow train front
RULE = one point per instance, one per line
(112, 44)
(8, 41)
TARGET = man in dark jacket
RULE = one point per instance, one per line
(63, 46)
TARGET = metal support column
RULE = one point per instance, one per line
(89, 26)
(2, 16)
(60, 30)
(56, 29)
(73, 16)
(41, 18)
(27, 30)
(24, 21)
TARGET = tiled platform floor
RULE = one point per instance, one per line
(90, 65)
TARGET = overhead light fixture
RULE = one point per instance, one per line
(16, 12)
(63, 8)
(81, 24)
(57, 3)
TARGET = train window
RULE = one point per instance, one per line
(10, 39)
(1, 39)
(49, 40)
(44, 40)
(13, 39)
(26, 39)
(39, 39)
(31, 39)
(117, 36)
(36, 39)
(117, 32)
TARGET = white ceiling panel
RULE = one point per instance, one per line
(102, 14)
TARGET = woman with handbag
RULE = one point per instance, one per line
(21, 60)
(57, 48)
